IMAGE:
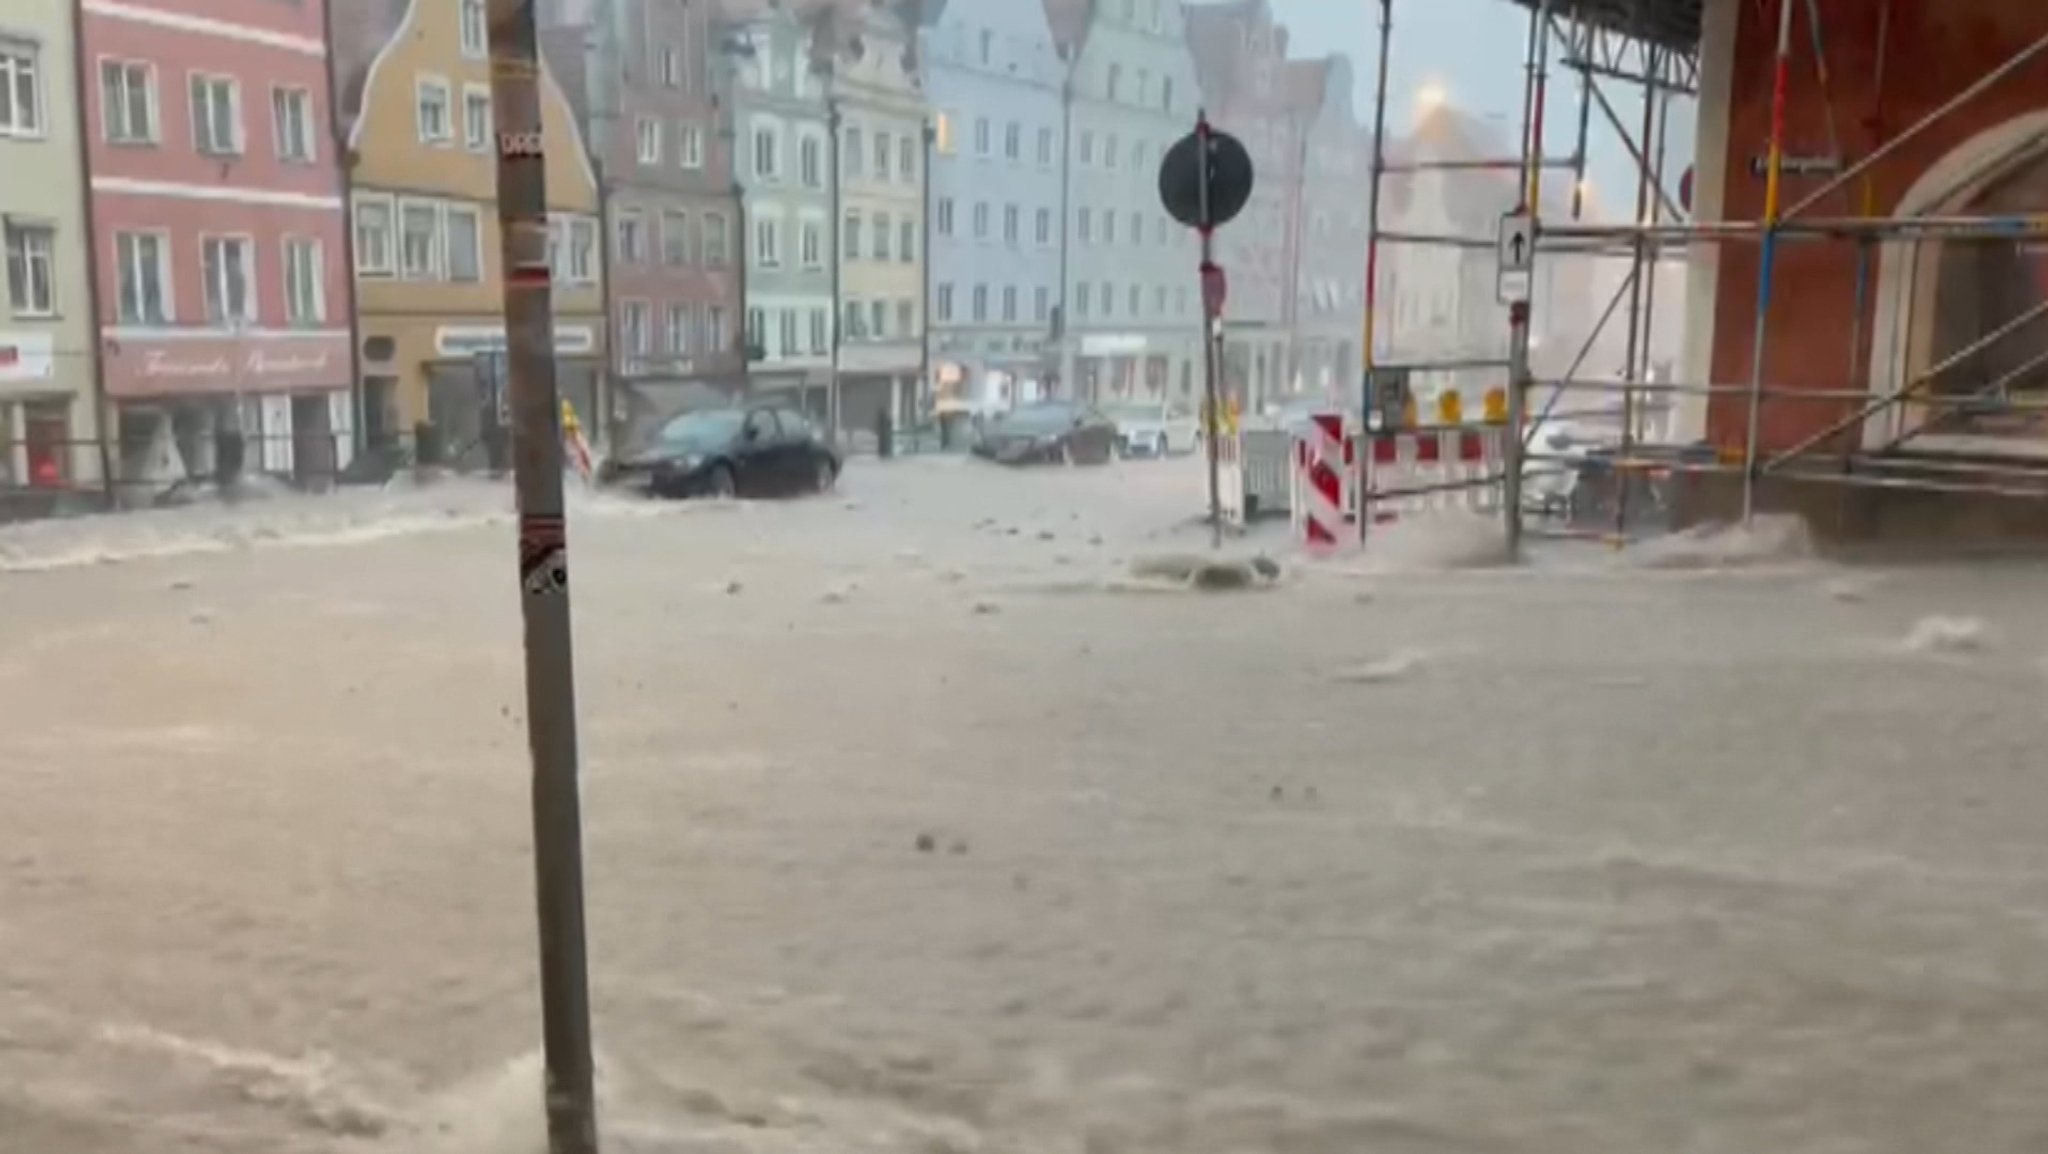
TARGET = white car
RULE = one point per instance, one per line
(1154, 430)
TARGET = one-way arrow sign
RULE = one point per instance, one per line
(1517, 256)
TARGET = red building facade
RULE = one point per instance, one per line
(216, 202)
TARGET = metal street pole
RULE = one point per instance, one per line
(543, 577)
(1212, 324)
(838, 234)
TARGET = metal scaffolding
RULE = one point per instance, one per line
(1652, 47)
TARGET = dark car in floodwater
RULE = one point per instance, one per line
(762, 451)
(1054, 432)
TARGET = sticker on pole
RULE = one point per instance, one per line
(1517, 257)
(543, 555)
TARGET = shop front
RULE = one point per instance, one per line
(448, 381)
(196, 406)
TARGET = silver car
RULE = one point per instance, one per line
(1146, 429)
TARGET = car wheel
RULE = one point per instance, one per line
(723, 485)
(823, 474)
(1067, 452)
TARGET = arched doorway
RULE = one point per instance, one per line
(1963, 306)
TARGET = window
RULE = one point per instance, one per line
(786, 323)
(1166, 93)
(1144, 96)
(1137, 301)
(21, 89)
(1159, 227)
(373, 237)
(678, 330)
(419, 240)
(476, 118)
(906, 318)
(906, 158)
(1081, 299)
(906, 242)
(945, 302)
(633, 327)
(714, 239)
(882, 155)
(881, 235)
(1013, 141)
(1084, 226)
(981, 136)
(217, 115)
(1115, 82)
(1087, 146)
(475, 37)
(1010, 230)
(942, 133)
(1109, 150)
(820, 331)
(879, 312)
(631, 239)
(305, 286)
(1041, 304)
(291, 122)
(811, 161)
(944, 224)
(1044, 229)
(1137, 228)
(675, 238)
(811, 244)
(647, 140)
(981, 220)
(430, 110)
(856, 321)
(850, 146)
(981, 302)
(768, 242)
(988, 46)
(127, 102)
(714, 328)
(46, 440)
(1159, 300)
(690, 145)
(1009, 303)
(1108, 299)
(851, 230)
(31, 269)
(1109, 228)
(767, 153)
(756, 334)
(227, 272)
(671, 68)
(465, 243)
(1045, 148)
(1137, 156)
(145, 277)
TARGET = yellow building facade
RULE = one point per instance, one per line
(428, 266)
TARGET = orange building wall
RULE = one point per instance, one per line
(1936, 49)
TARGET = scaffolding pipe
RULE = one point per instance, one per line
(1773, 185)
(1518, 311)
(1509, 164)
(1984, 84)
(1579, 149)
(1975, 397)
(1868, 201)
(1609, 72)
(1585, 350)
(1372, 209)
(1879, 405)
(1635, 154)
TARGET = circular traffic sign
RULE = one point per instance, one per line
(1229, 173)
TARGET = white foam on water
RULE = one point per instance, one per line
(312, 1088)
(1939, 633)
(1435, 543)
(1771, 539)
(1397, 666)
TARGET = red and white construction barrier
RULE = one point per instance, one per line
(1323, 501)
(1230, 478)
(1420, 471)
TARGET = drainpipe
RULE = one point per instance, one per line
(924, 275)
(103, 409)
(837, 212)
(602, 138)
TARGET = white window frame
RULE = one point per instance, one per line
(166, 284)
(647, 140)
(434, 243)
(474, 20)
(675, 231)
(299, 248)
(421, 86)
(23, 230)
(238, 142)
(476, 124)
(811, 243)
(772, 171)
(671, 67)
(252, 305)
(630, 222)
(718, 225)
(449, 214)
(677, 330)
(633, 334)
(583, 250)
(153, 130)
(768, 229)
(305, 149)
(19, 57)
(689, 145)
(388, 266)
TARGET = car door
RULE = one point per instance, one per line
(800, 451)
(759, 463)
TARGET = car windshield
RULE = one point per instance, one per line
(707, 430)
(1040, 419)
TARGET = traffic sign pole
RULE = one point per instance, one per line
(1212, 314)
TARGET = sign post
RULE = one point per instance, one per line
(1517, 258)
(1205, 180)
(543, 558)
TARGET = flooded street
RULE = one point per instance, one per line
(913, 824)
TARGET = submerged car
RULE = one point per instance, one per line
(762, 451)
(1056, 432)
(1154, 430)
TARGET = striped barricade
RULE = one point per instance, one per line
(1323, 491)
(1415, 472)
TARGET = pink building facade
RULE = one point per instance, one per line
(219, 236)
